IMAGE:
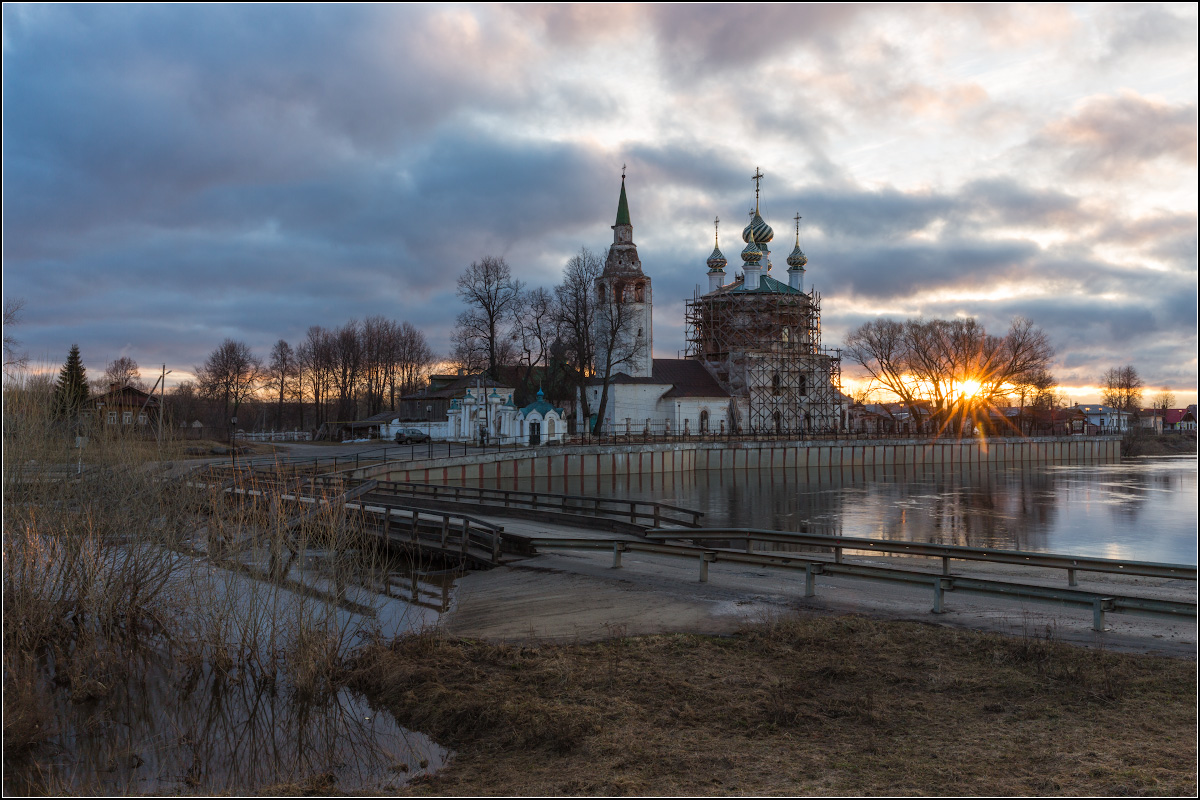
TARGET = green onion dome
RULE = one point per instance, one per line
(797, 259)
(716, 262)
(757, 231)
(752, 254)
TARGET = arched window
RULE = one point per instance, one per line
(639, 293)
(704, 421)
(549, 428)
(778, 421)
(600, 292)
(619, 293)
(804, 386)
(775, 384)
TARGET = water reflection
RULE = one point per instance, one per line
(167, 730)
(173, 723)
(1141, 509)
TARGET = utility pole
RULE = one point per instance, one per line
(162, 402)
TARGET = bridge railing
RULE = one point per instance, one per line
(1100, 603)
(449, 532)
(947, 553)
(396, 523)
(637, 512)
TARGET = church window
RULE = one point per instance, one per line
(804, 386)
(639, 293)
(775, 384)
(786, 335)
(704, 421)
(600, 290)
(778, 421)
(619, 293)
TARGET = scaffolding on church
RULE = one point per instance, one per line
(765, 349)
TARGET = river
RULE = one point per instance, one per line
(1142, 509)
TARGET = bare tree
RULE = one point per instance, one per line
(316, 358)
(13, 360)
(576, 310)
(347, 362)
(1123, 389)
(122, 372)
(231, 374)
(280, 374)
(490, 292)
(1164, 400)
(616, 346)
(953, 365)
(183, 404)
(534, 330)
(413, 360)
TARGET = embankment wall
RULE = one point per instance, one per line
(681, 457)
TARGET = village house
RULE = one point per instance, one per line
(126, 409)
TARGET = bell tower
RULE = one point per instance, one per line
(624, 324)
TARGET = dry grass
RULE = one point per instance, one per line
(126, 557)
(807, 705)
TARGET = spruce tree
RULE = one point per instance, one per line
(71, 391)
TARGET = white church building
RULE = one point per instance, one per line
(755, 365)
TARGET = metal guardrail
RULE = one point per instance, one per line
(634, 511)
(946, 552)
(1100, 604)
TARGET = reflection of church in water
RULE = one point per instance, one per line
(754, 357)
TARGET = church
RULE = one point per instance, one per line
(754, 364)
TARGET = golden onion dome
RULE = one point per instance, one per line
(758, 231)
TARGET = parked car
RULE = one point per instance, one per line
(411, 435)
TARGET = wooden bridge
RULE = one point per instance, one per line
(454, 523)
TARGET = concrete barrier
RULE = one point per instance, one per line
(684, 457)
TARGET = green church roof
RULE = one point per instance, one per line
(623, 207)
(766, 285)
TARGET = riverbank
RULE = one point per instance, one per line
(1167, 444)
(799, 704)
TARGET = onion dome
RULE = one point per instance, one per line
(797, 259)
(752, 254)
(716, 262)
(757, 231)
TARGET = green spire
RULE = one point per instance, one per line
(623, 206)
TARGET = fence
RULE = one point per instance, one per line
(636, 512)
(1099, 603)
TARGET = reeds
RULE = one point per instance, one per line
(113, 551)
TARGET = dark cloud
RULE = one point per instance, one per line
(178, 174)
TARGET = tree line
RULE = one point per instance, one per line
(344, 373)
(957, 369)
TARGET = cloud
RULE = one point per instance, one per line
(1116, 136)
(178, 174)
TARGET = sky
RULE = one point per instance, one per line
(178, 174)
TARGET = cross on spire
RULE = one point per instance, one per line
(716, 232)
(622, 172)
(757, 178)
(798, 218)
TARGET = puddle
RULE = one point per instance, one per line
(169, 728)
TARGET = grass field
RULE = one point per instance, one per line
(804, 705)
